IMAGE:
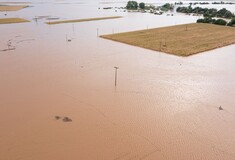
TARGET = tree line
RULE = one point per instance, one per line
(207, 12)
(134, 5)
(211, 15)
(217, 21)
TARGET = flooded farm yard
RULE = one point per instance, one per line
(58, 99)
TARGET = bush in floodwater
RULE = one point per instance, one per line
(132, 5)
(142, 5)
(167, 7)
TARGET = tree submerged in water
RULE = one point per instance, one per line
(132, 5)
(207, 12)
(167, 7)
(142, 5)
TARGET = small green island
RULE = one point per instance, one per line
(133, 6)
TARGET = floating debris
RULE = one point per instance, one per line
(24, 40)
(64, 119)
(107, 7)
(41, 17)
(10, 49)
(52, 18)
(57, 117)
(67, 119)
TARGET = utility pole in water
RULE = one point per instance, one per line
(97, 32)
(116, 68)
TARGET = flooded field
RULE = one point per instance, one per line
(58, 99)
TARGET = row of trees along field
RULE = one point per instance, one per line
(207, 12)
(217, 21)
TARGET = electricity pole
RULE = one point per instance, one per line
(116, 68)
(97, 32)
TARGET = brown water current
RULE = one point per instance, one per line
(164, 107)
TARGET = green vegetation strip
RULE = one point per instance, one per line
(83, 20)
(12, 20)
(180, 40)
(211, 12)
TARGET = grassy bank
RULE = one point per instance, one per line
(180, 40)
(12, 8)
(83, 20)
(12, 20)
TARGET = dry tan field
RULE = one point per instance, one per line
(12, 8)
(180, 40)
(15, 2)
(12, 20)
(83, 20)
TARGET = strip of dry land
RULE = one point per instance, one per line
(12, 20)
(180, 40)
(83, 20)
(15, 3)
(12, 8)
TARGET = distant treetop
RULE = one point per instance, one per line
(132, 5)
(142, 5)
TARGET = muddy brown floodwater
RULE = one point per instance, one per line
(164, 107)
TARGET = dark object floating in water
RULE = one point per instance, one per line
(69, 40)
(10, 49)
(67, 119)
(220, 108)
(57, 117)
(107, 7)
(52, 18)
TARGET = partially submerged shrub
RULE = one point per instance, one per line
(232, 23)
(142, 5)
(132, 5)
